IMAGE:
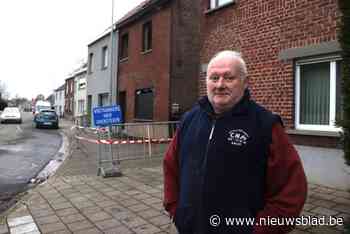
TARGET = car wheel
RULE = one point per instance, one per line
(20, 121)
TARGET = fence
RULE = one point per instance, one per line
(127, 141)
(82, 120)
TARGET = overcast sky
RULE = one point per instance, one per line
(42, 41)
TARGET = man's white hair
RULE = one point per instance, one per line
(234, 55)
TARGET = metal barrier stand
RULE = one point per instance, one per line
(108, 166)
(127, 141)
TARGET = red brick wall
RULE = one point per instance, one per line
(150, 69)
(185, 47)
(69, 95)
(260, 29)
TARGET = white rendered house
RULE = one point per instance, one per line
(59, 100)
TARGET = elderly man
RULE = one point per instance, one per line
(231, 159)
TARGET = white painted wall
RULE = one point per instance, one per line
(80, 87)
(59, 102)
(325, 166)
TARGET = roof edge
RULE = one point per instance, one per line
(139, 13)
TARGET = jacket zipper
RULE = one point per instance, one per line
(208, 144)
(199, 209)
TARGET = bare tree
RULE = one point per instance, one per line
(3, 90)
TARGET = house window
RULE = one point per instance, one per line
(318, 94)
(89, 104)
(103, 99)
(147, 36)
(218, 3)
(81, 106)
(104, 57)
(82, 85)
(71, 106)
(144, 104)
(124, 46)
(91, 63)
(72, 86)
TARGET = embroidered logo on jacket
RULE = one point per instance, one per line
(238, 137)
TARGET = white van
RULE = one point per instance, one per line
(42, 105)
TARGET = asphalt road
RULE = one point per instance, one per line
(24, 151)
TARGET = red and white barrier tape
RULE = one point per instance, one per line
(121, 142)
(87, 139)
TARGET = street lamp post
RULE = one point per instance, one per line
(114, 171)
(112, 99)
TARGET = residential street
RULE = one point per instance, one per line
(75, 200)
(24, 151)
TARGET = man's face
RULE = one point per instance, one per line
(225, 87)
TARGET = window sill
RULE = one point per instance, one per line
(209, 11)
(142, 120)
(313, 133)
(104, 68)
(123, 60)
(146, 51)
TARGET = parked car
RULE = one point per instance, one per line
(11, 114)
(46, 118)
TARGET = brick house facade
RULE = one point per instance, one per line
(158, 60)
(286, 44)
(69, 97)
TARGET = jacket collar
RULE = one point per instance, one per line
(240, 108)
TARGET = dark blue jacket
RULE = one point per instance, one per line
(222, 165)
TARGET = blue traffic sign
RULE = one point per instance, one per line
(107, 115)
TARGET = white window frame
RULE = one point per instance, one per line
(331, 127)
(81, 106)
(82, 85)
(216, 3)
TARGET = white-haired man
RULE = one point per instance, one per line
(231, 159)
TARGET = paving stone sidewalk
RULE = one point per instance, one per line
(75, 200)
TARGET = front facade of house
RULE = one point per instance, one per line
(59, 100)
(99, 74)
(80, 93)
(292, 55)
(69, 98)
(158, 60)
(51, 99)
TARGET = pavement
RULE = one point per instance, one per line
(76, 200)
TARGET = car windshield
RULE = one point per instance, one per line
(40, 108)
(11, 110)
(48, 113)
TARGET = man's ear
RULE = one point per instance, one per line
(246, 82)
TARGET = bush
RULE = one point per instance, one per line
(347, 226)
